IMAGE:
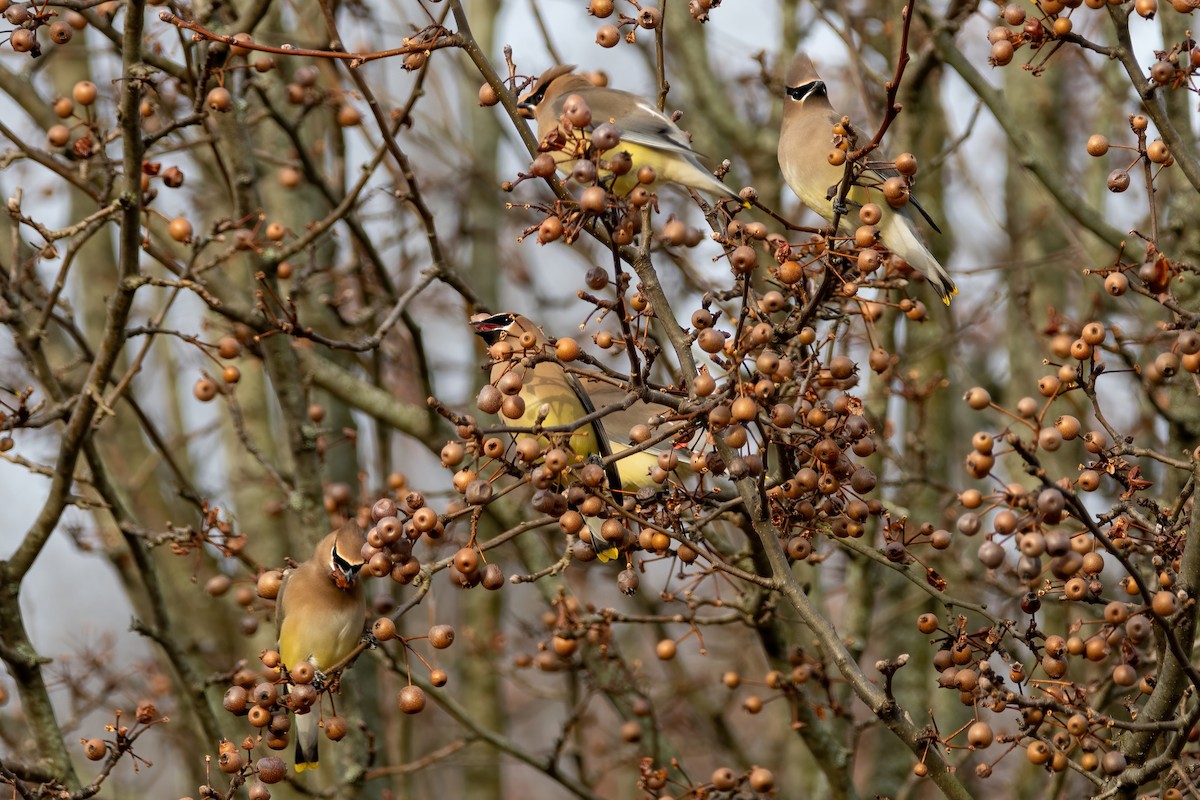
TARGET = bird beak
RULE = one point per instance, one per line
(526, 110)
(344, 578)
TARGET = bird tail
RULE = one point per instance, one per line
(688, 171)
(608, 553)
(902, 238)
(719, 189)
(307, 738)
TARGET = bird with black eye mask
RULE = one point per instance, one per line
(319, 616)
(805, 141)
(566, 398)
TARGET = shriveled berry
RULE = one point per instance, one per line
(271, 769)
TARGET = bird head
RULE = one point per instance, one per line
(529, 103)
(802, 80)
(492, 327)
(345, 561)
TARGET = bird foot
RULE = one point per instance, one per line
(840, 208)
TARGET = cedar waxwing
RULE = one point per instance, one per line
(648, 135)
(319, 617)
(567, 398)
(804, 144)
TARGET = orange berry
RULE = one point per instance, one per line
(84, 93)
(180, 229)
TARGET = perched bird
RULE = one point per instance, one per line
(319, 619)
(804, 144)
(648, 135)
(568, 398)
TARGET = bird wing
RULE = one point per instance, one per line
(634, 469)
(912, 201)
(817, 147)
(280, 609)
(883, 173)
(547, 384)
(618, 423)
(602, 441)
(604, 450)
(649, 128)
(643, 124)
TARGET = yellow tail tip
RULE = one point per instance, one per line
(607, 555)
(301, 765)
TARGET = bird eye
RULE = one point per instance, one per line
(492, 329)
(338, 561)
(806, 90)
(494, 322)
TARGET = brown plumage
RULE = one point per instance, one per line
(319, 618)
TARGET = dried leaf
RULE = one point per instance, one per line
(935, 580)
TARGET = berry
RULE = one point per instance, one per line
(205, 390)
(411, 700)
(218, 99)
(180, 229)
(95, 749)
(608, 36)
(84, 93)
(441, 636)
